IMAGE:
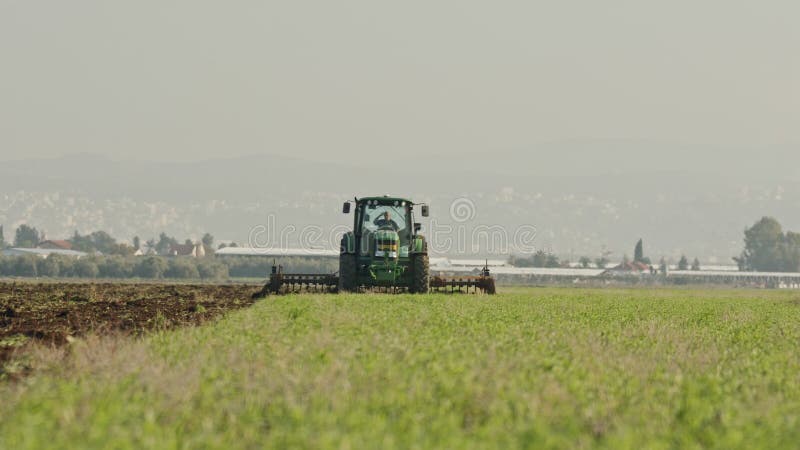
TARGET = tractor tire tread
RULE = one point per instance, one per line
(419, 284)
(347, 273)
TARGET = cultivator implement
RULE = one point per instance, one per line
(463, 285)
(483, 283)
(285, 283)
(384, 252)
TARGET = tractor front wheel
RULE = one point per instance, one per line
(347, 273)
(419, 285)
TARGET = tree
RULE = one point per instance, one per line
(137, 243)
(2, 238)
(121, 249)
(683, 264)
(98, 241)
(25, 266)
(638, 251)
(790, 251)
(638, 254)
(85, 268)
(663, 267)
(768, 249)
(696, 264)
(539, 259)
(49, 267)
(601, 262)
(209, 269)
(6, 266)
(208, 244)
(103, 242)
(182, 268)
(65, 265)
(761, 245)
(164, 243)
(26, 237)
(513, 260)
(151, 267)
(552, 261)
(116, 267)
(741, 263)
(584, 261)
(82, 243)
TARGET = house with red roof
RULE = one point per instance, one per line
(55, 245)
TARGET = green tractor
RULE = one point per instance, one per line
(384, 251)
(385, 248)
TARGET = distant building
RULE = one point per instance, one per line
(631, 266)
(478, 262)
(194, 250)
(55, 245)
(42, 252)
(277, 252)
(145, 250)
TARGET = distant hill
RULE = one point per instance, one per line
(581, 196)
(606, 167)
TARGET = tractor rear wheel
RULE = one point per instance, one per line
(347, 273)
(419, 285)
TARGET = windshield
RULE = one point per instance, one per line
(385, 217)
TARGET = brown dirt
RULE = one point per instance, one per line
(53, 313)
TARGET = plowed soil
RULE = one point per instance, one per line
(52, 313)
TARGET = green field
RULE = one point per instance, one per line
(532, 368)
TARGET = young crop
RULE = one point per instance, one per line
(535, 368)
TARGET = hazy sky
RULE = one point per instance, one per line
(328, 79)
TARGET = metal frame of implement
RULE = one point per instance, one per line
(280, 282)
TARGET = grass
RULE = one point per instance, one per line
(530, 368)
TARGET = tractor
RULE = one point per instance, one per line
(385, 248)
(384, 251)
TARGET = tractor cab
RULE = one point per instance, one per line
(386, 225)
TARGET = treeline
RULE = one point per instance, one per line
(27, 236)
(151, 267)
(640, 262)
(155, 267)
(538, 259)
(767, 248)
(543, 259)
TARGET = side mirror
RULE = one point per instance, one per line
(417, 227)
(346, 208)
(425, 211)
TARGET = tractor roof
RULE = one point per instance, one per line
(385, 199)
